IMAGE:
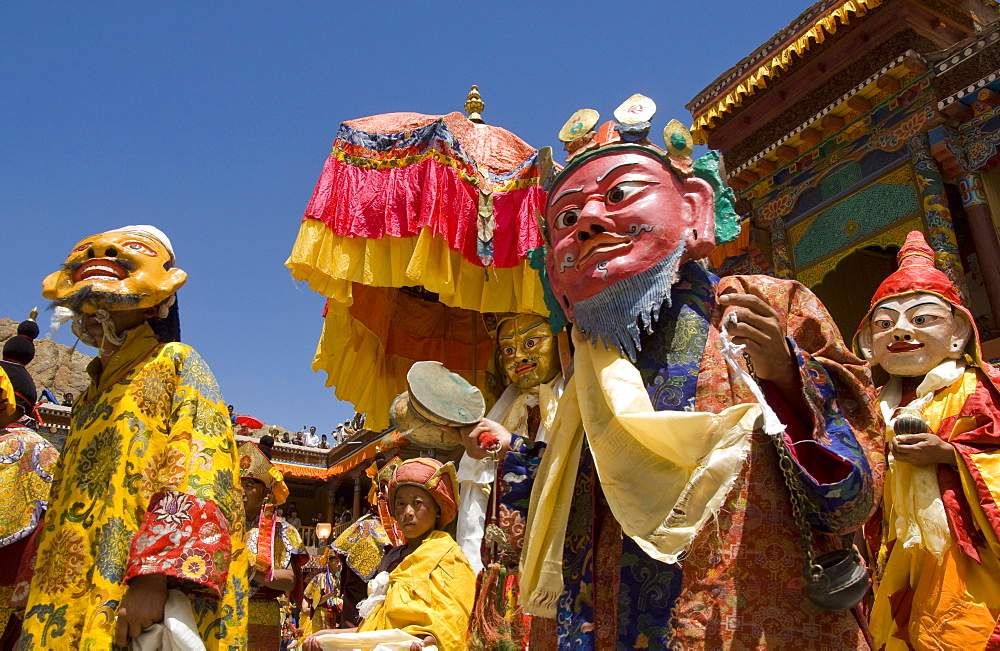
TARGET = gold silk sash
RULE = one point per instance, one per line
(515, 419)
(665, 473)
(912, 498)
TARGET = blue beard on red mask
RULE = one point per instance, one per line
(613, 315)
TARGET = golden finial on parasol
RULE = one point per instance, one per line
(474, 105)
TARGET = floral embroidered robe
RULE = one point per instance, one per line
(26, 464)
(146, 484)
(740, 583)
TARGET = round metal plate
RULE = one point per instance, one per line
(444, 397)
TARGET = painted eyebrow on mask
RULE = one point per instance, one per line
(565, 192)
(530, 328)
(928, 303)
(605, 175)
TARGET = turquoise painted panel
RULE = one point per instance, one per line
(853, 219)
(840, 180)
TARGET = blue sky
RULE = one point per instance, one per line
(212, 120)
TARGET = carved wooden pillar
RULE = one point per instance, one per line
(780, 248)
(941, 231)
(984, 237)
(356, 508)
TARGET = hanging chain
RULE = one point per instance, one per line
(795, 491)
(497, 538)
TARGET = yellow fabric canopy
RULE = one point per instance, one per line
(332, 263)
(373, 332)
(367, 349)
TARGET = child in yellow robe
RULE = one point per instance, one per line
(426, 587)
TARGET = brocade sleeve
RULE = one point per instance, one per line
(517, 473)
(195, 515)
(837, 444)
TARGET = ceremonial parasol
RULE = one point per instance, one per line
(417, 226)
(249, 421)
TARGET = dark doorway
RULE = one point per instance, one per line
(847, 290)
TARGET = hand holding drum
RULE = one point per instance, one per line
(442, 410)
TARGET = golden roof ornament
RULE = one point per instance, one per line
(474, 105)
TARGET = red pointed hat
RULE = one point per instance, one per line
(916, 273)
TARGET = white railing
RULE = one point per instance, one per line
(309, 538)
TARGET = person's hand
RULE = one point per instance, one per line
(419, 645)
(759, 328)
(922, 449)
(141, 607)
(327, 597)
(468, 437)
(310, 643)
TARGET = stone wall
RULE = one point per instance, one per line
(56, 367)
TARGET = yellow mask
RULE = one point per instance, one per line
(528, 351)
(124, 269)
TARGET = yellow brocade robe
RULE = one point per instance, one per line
(323, 583)
(147, 483)
(430, 592)
(265, 613)
(26, 463)
(948, 598)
